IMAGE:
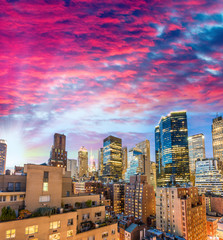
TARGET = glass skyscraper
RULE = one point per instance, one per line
(171, 149)
(112, 158)
(217, 139)
(3, 150)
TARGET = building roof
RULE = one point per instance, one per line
(131, 227)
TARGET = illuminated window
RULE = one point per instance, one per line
(55, 225)
(31, 229)
(10, 233)
(70, 222)
(55, 236)
(45, 186)
(69, 233)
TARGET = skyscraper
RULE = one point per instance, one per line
(112, 158)
(3, 151)
(83, 162)
(124, 161)
(217, 138)
(196, 151)
(171, 148)
(72, 167)
(58, 154)
(100, 162)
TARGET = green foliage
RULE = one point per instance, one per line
(77, 204)
(7, 214)
(44, 211)
(88, 203)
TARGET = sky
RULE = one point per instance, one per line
(93, 68)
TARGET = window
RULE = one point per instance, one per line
(113, 231)
(10, 233)
(70, 222)
(85, 216)
(44, 198)
(2, 198)
(55, 236)
(97, 214)
(105, 234)
(45, 176)
(13, 198)
(31, 229)
(69, 233)
(10, 187)
(17, 186)
(55, 225)
(45, 186)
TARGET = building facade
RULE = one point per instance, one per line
(171, 149)
(83, 162)
(217, 138)
(124, 161)
(196, 150)
(100, 162)
(117, 196)
(112, 158)
(139, 198)
(58, 154)
(208, 177)
(3, 151)
(72, 167)
(182, 212)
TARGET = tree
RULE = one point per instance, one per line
(7, 214)
(88, 203)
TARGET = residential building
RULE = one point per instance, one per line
(83, 162)
(117, 196)
(217, 138)
(79, 187)
(72, 167)
(153, 174)
(212, 226)
(58, 154)
(171, 149)
(124, 161)
(196, 151)
(139, 198)
(208, 178)
(112, 158)
(182, 212)
(3, 151)
(135, 231)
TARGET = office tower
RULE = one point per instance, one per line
(83, 162)
(153, 174)
(112, 158)
(72, 167)
(135, 162)
(145, 148)
(58, 154)
(182, 212)
(139, 198)
(171, 149)
(208, 177)
(124, 161)
(3, 151)
(217, 138)
(100, 162)
(196, 150)
(117, 195)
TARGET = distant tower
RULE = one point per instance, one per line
(83, 162)
(171, 148)
(58, 154)
(217, 138)
(124, 161)
(3, 151)
(100, 162)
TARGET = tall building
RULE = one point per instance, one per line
(112, 158)
(217, 138)
(117, 195)
(58, 154)
(3, 151)
(72, 167)
(171, 149)
(196, 150)
(124, 161)
(144, 146)
(182, 212)
(135, 162)
(140, 198)
(83, 162)
(153, 174)
(100, 162)
(208, 177)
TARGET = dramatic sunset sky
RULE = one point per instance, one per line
(91, 68)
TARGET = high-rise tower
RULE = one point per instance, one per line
(112, 158)
(217, 138)
(58, 154)
(3, 151)
(171, 148)
(83, 162)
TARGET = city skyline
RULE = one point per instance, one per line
(90, 70)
